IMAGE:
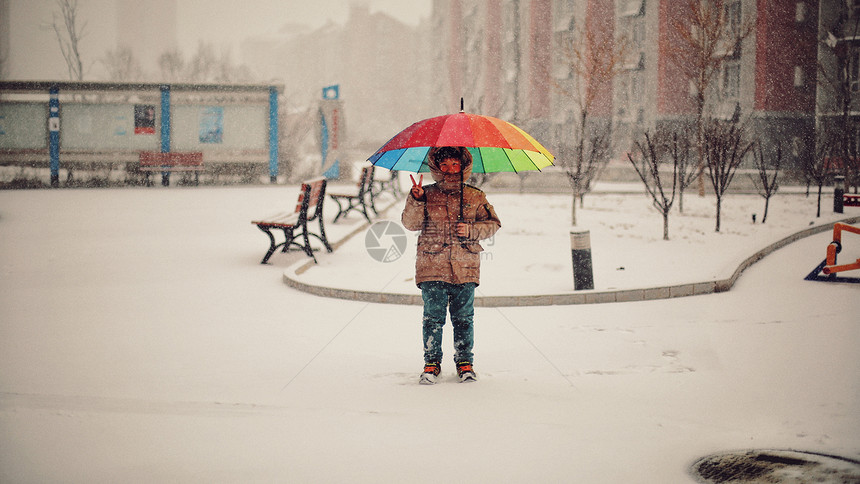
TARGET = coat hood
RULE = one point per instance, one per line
(435, 155)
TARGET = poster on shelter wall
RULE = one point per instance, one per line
(211, 124)
(144, 119)
(120, 125)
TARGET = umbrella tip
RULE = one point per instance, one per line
(461, 105)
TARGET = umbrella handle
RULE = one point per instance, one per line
(462, 187)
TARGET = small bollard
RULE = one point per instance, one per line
(838, 192)
(580, 251)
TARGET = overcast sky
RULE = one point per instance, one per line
(214, 20)
(35, 54)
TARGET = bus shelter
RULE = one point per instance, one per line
(224, 128)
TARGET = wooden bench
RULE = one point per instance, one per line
(347, 202)
(851, 200)
(295, 224)
(151, 161)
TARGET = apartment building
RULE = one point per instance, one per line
(515, 51)
(838, 91)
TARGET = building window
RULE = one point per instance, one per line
(635, 56)
(853, 7)
(564, 18)
(732, 12)
(637, 87)
(624, 97)
(796, 146)
(632, 8)
(731, 85)
(799, 77)
(801, 11)
(638, 34)
(635, 61)
(853, 70)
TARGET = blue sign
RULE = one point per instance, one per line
(333, 172)
(331, 92)
(323, 137)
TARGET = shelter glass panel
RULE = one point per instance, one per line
(23, 126)
(229, 127)
(100, 127)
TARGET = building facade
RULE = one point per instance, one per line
(513, 58)
(838, 92)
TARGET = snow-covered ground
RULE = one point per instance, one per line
(142, 341)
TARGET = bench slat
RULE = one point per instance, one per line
(284, 218)
(172, 160)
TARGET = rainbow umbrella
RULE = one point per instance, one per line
(495, 145)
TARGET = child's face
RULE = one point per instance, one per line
(450, 166)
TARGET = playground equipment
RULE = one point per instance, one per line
(828, 266)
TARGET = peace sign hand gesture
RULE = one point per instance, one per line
(417, 190)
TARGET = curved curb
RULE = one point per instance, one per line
(589, 297)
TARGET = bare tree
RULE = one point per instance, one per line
(680, 147)
(171, 66)
(201, 66)
(703, 39)
(227, 71)
(767, 168)
(121, 65)
(839, 74)
(69, 33)
(818, 169)
(207, 65)
(653, 153)
(594, 61)
(725, 146)
(296, 125)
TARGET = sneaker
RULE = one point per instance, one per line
(431, 372)
(465, 371)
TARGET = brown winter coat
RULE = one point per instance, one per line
(441, 255)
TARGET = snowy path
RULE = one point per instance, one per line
(138, 352)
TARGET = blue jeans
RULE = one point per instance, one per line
(439, 298)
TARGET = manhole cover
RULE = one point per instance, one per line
(776, 467)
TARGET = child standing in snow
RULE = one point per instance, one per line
(452, 218)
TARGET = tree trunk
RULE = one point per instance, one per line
(818, 211)
(719, 203)
(573, 209)
(665, 225)
(766, 203)
(700, 137)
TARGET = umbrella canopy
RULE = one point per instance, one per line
(495, 145)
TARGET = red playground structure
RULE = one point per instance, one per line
(829, 267)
